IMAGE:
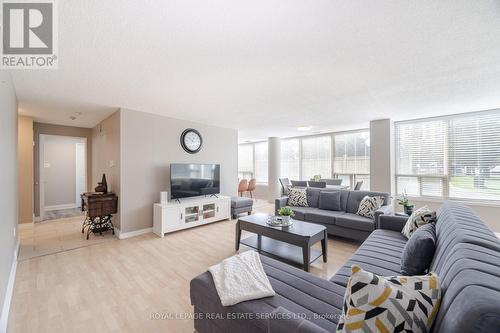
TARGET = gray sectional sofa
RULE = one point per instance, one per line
(467, 262)
(344, 222)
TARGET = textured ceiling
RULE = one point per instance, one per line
(266, 67)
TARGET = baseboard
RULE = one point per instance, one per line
(58, 207)
(124, 235)
(10, 289)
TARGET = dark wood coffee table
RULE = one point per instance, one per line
(292, 244)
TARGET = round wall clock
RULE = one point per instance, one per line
(191, 140)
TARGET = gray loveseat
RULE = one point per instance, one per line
(344, 222)
(467, 261)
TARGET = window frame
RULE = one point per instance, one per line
(445, 177)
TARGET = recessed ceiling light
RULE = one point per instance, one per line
(304, 128)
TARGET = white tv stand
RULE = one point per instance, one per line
(189, 212)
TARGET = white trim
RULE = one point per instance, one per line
(124, 235)
(9, 291)
(38, 219)
(77, 180)
(41, 178)
(64, 206)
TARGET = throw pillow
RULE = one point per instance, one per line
(418, 218)
(369, 205)
(389, 304)
(313, 196)
(419, 251)
(297, 197)
(329, 200)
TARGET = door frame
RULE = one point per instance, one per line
(41, 163)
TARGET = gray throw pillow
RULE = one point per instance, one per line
(329, 200)
(313, 196)
(419, 251)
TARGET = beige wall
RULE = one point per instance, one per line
(40, 128)
(8, 184)
(149, 143)
(106, 156)
(25, 169)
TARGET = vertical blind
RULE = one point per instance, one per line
(245, 161)
(317, 156)
(451, 157)
(290, 158)
(352, 157)
(260, 153)
(344, 155)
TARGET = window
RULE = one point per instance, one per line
(450, 157)
(245, 161)
(316, 157)
(290, 159)
(352, 158)
(260, 153)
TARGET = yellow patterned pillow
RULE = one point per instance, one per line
(389, 304)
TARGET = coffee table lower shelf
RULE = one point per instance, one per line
(281, 250)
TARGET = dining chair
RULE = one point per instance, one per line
(358, 185)
(299, 183)
(319, 184)
(332, 181)
(285, 183)
(251, 186)
(242, 187)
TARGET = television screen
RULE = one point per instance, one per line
(191, 180)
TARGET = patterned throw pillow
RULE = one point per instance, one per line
(297, 197)
(369, 205)
(389, 304)
(421, 216)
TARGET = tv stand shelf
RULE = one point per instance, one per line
(189, 212)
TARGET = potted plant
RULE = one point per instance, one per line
(286, 213)
(403, 201)
(317, 178)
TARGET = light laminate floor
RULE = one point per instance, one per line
(122, 285)
(48, 237)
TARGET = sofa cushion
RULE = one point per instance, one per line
(375, 303)
(419, 251)
(380, 254)
(301, 211)
(322, 216)
(313, 196)
(355, 198)
(297, 291)
(355, 221)
(329, 200)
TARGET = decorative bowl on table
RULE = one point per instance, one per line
(278, 221)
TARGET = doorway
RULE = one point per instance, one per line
(63, 175)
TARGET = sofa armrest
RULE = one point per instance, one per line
(391, 222)
(284, 321)
(383, 210)
(279, 203)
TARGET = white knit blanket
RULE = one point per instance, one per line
(241, 278)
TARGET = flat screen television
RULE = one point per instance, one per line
(191, 180)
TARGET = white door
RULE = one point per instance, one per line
(80, 171)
